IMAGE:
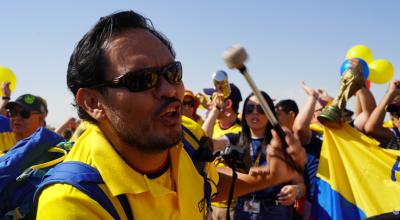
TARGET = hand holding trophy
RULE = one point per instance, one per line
(351, 81)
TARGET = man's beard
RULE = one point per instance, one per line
(148, 139)
(147, 142)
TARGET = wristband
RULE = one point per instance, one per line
(5, 97)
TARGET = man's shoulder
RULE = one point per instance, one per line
(82, 149)
(218, 131)
(190, 125)
(59, 199)
(82, 153)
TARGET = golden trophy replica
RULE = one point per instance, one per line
(351, 81)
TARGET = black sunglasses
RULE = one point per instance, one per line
(144, 79)
(189, 103)
(23, 113)
(250, 108)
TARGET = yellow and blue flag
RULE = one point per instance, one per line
(356, 178)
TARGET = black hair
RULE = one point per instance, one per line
(87, 63)
(245, 135)
(235, 106)
(288, 105)
(67, 134)
(235, 97)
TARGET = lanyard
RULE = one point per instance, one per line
(255, 158)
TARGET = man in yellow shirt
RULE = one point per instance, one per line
(125, 80)
(25, 115)
(221, 121)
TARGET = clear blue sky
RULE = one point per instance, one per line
(287, 41)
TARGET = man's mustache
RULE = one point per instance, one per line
(166, 102)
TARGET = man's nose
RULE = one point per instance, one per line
(166, 89)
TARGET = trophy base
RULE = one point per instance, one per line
(330, 117)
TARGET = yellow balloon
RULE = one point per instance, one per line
(380, 71)
(6, 75)
(360, 51)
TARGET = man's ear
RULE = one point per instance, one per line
(88, 99)
(291, 113)
(228, 103)
(42, 118)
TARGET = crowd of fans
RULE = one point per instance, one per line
(227, 125)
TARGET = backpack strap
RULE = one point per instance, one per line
(188, 147)
(35, 168)
(192, 151)
(86, 179)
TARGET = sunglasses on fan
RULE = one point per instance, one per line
(23, 113)
(144, 79)
(251, 107)
(189, 103)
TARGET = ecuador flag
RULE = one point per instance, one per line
(356, 178)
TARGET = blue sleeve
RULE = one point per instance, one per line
(4, 124)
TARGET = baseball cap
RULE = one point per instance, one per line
(190, 94)
(29, 102)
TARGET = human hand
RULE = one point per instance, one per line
(354, 62)
(295, 150)
(203, 100)
(288, 194)
(218, 101)
(394, 87)
(322, 93)
(5, 88)
(309, 91)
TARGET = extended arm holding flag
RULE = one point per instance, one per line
(390, 103)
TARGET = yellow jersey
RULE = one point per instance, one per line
(148, 198)
(218, 132)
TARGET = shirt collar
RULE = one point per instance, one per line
(109, 163)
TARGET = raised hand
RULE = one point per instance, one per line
(218, 100)
(203, 100)
(309, 91)
(295, 150)
(5, 88)
(394, 87)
